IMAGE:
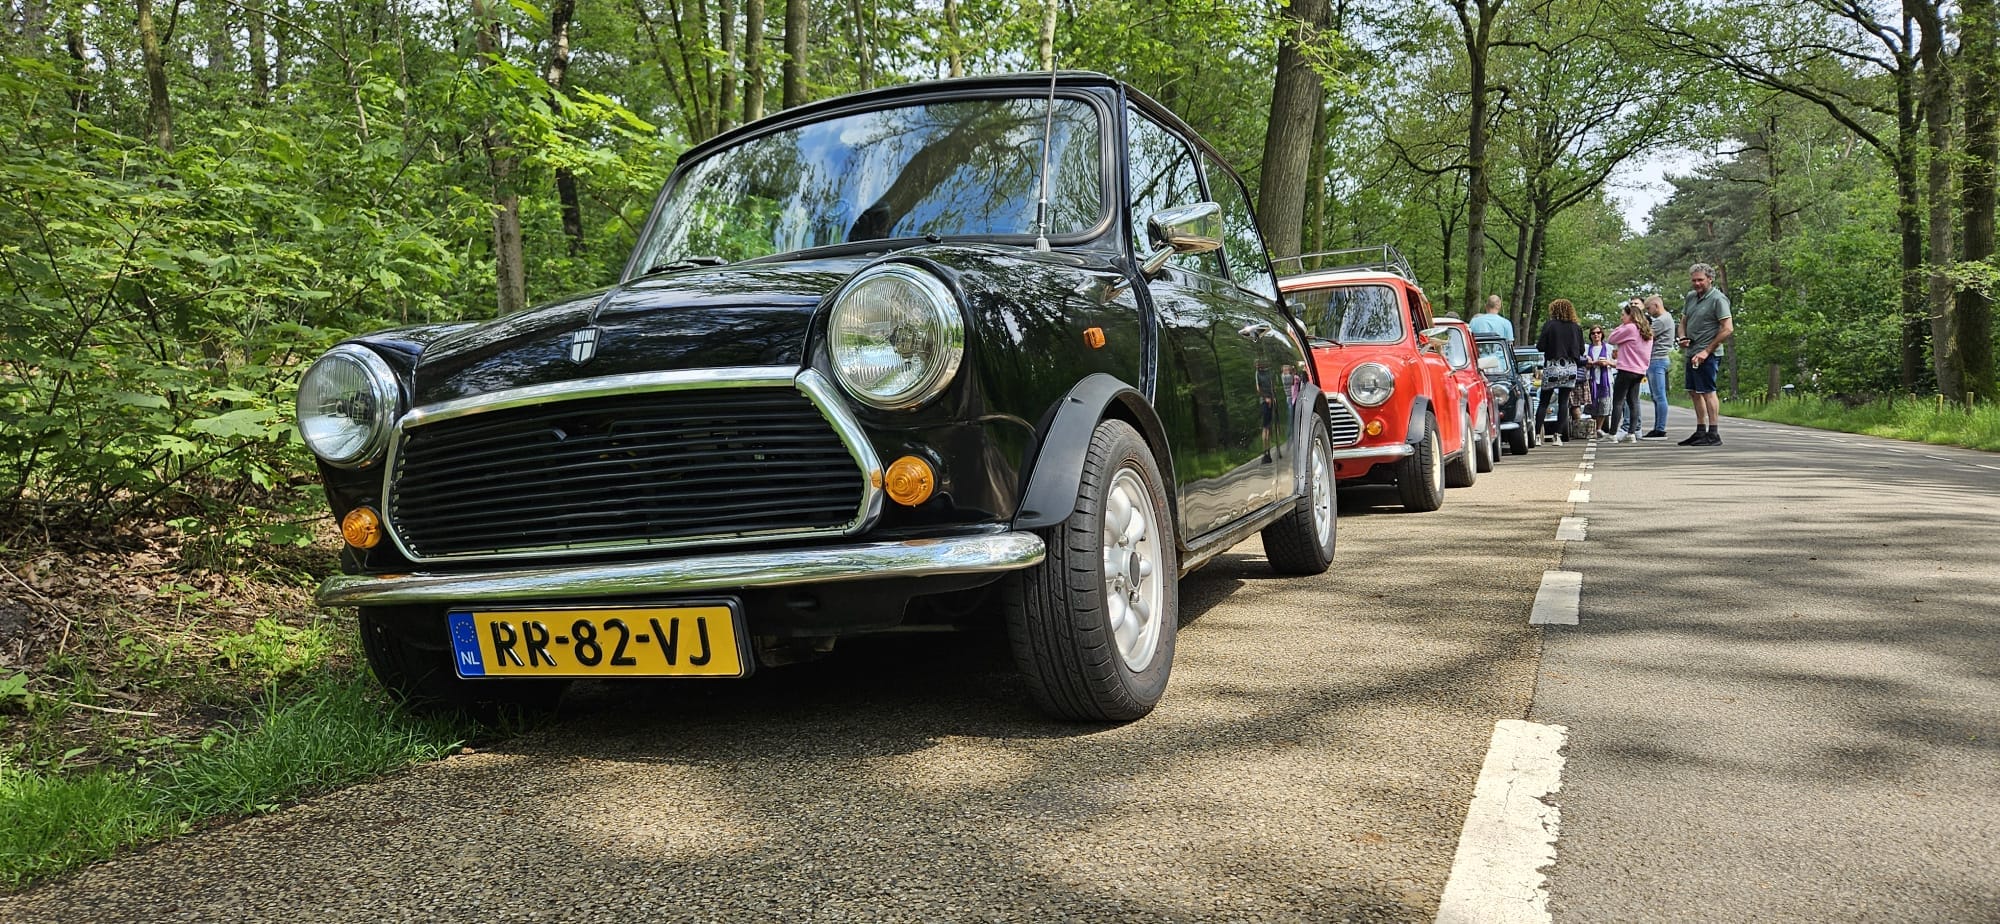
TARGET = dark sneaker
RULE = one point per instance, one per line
(1653, 435)
(1710, 438)
(1699, 437)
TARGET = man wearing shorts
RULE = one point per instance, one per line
(1705, 324)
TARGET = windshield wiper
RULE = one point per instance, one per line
(688, 263)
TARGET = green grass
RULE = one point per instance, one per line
(334, 730)
(1916, 419)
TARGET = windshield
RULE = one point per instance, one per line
(1350, 314)
(1495, 356)
(950, 169)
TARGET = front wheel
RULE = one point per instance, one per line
(1489, 448)
(1302, 542)
(1464, 470)
(1420, 475)
(1517, 441)
(1093, 625)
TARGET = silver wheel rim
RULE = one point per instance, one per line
(1322, 495)
(1134, 579)
(1437, 465)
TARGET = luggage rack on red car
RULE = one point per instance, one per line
(1380, 257)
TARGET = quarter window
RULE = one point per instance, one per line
(1249, 262)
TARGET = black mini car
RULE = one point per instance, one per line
(1000, 348)
(1512, 392)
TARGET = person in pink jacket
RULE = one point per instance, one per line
(1633, 338)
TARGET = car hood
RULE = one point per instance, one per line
(749, 315)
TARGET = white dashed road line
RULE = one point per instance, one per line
(1579, 496)
(1556, 601)
(1572, 529)
(1510, 831)
(1582, 477)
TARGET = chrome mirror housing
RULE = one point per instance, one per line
(1193, 228)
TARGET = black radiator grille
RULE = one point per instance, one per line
(669, 466)
(1346, 424)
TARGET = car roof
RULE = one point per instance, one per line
(1482, 335)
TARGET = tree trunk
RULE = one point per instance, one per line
(79, 65)
(864, 51)
(1048, 35)
(1972, 315)
(561, 14)
(753, 60)
(281, 43)
(794, 76)
(1296, 95)
(509, 268)
(260, 60)
(1538, 249)
(1518, 294)
(1910, 230)
(159, 109)
(953, 52)
(1316, 183)
(1937, 86)
(1477, 34)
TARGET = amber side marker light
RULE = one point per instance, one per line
(362, 528)
(1374, 428)
(909, 481)
(1094, 337)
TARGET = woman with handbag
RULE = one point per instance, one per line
(1561, 341)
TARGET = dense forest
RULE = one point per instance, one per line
(198, 196)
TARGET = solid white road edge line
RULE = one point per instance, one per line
(1510, 830)
(1572, 529)
(1556, 601)
(1579, 496)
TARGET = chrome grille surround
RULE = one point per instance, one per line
(814, 387)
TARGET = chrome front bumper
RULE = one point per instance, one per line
(990, 553)
(1394, 451)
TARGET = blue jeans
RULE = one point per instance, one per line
(1656, 382)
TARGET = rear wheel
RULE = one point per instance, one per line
(1489, 448)
(1420, 475)
(409, 649)
(1302, 542)
(1093, 625)
(1517, 441)
(1461, 472)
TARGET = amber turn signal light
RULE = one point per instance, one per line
(1094, 337)
(362, 528)
(910, 481)
(1374, 428)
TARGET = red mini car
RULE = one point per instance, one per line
(1461, 353)
(1378, 350)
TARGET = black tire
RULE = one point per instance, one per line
(1462, 471)
(1420, 475)
(1302, 542)
(1517, 441)
(1060, 613)
(409, 649)
(1489, 448)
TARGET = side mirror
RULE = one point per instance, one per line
(1435, 338)
(1193, 228)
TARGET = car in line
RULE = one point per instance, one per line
(1512, 394)
(991, 349)
(1474, 392)
(1396, 418)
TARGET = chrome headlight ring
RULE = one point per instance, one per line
(1370, 384)
(895, 337)
(348, 402)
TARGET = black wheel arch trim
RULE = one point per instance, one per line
(1311, 403)
(1056, 473)
(1419, 406)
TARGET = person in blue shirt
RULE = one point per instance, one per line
(1491, 321)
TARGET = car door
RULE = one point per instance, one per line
(1277, 353)
(1435, 373)
(1201, 352)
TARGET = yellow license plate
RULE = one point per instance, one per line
(697, 640)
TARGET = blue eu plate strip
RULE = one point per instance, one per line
(465, 646)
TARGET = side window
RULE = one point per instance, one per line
(1249, 262)
(1163, 176)
(1456, 351)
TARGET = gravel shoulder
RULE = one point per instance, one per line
(1313, 761)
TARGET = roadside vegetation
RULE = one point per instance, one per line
(1922, 420)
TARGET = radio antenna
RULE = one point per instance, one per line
(1048, 134)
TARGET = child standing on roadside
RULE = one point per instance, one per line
(1634, 339)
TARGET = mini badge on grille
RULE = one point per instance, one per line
(583, 345)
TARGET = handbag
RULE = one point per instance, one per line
(1560, 374)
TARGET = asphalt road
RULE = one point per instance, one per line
(1783, 693)
(1312, 761)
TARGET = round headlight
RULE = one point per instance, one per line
(1502, 391)
(1371, 384)
(896, 337)
(348, 403)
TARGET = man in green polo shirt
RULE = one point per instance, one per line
(1705, 324)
